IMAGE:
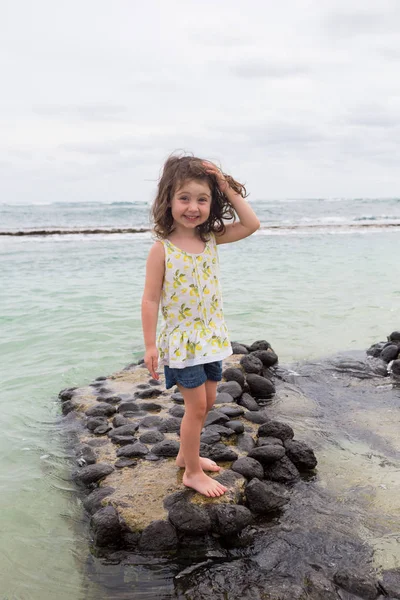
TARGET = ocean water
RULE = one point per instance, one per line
(319, 277)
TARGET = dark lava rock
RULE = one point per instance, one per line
(102, 429)
(393, 337)
(259, 386)
(231, 387)
(319, 587)
(152, 437)
(93, 473)
(94, 422)
(239, 348)
(267, 357)
(154, 382)
(123, 440)
(166, 448)
(245, 442)
(260, 345)
(215, 417)
(223, 398)
(159, 536)
(189, 518)
(282, 471)
(150, 406)
(389, 353)
(143, 386)
(257, 417)
(251, 364)
(85, 455)
(300, 454)
(128, 406)
(232, 374)
(232, 411)
(68, 406)
(177, 411)
(208, 437)
(92, 502)
(101, 409)
(248, 402)
(106, 527)
(267, 454)
(376, 349)
(391, 582)
(170, 425)
(110, 399)
(220, 429)
(150, 393)
(151, 421)
(124, 430)
(263, 497)
(356, 583)
(276, 429)
(396, 368)
(136, 449)
(125, 462)
(177, 397)
(248, 467)
(67, 394)
(237, 426)
(228, 519)
(269, 441)
(119, 420)
(221, 453)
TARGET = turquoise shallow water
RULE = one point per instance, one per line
(70, 312)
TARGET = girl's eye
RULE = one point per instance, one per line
(184, 198)
(203, 200)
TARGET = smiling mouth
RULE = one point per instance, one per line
(191, 218)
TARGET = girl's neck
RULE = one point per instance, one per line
(188, 241)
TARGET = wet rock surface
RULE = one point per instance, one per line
(275, 534)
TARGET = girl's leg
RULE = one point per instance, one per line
(191, 426)
(206, 463)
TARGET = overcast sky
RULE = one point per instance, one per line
(295, 98)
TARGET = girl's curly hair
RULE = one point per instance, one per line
(178, 169)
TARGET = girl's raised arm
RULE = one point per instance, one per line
(155, 268)
(248, 220)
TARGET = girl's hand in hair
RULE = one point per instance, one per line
(218, 174)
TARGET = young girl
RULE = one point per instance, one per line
(193, 199)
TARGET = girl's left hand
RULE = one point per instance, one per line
(213, 170)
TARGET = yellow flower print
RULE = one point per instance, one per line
(211, 323)
(178, 255)
(169, 263)
(177, 352)
(206, 270)
(206, 290)
(174, 297)
(198, 324)
(214, 304)
(194, 290)
(226, 343)
(179, 278)
(184, 312)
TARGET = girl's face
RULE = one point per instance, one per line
(191, 204)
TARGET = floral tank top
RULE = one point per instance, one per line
(193, 329)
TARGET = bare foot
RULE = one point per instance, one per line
(204, 484)
(205, 463)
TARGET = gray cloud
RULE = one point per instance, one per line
(84, 112)
(294, 102)
(258, 68)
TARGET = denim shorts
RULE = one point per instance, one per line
(192, 377)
